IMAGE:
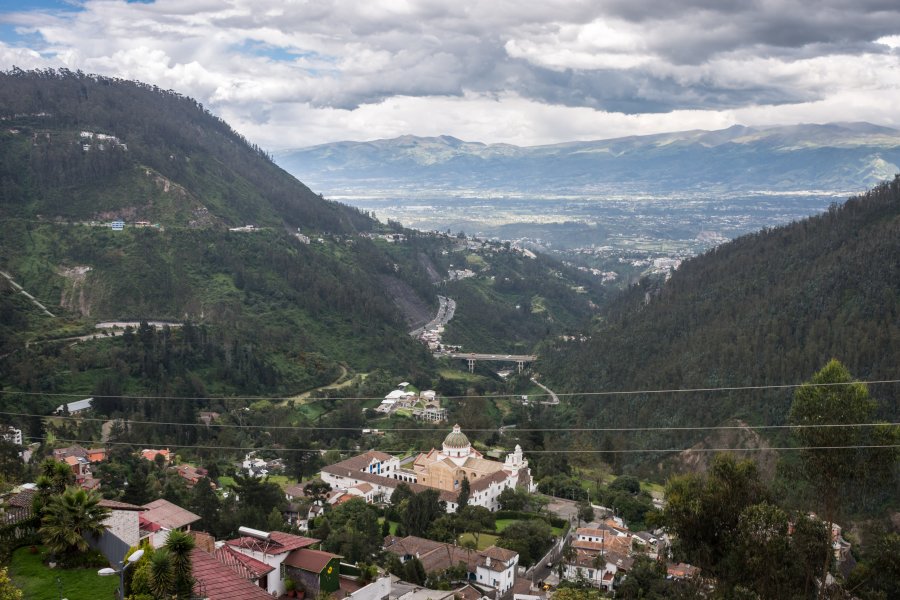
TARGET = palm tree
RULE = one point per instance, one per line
(179, 545)
(162, 578)
(70, 516)
(53, 479)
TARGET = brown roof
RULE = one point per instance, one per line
(467, 592)
(116, 505)
(278, 543)
(584, 545)
(482, 483)
(681, 570)
(374, 478)
(24, 499)
(309, 560)
(497, 553)
(168, 515)
(217, 581)
(295, 490)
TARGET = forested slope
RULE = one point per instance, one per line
(766, 309)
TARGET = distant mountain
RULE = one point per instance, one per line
(832, 157)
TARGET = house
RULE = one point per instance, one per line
(115, 225)
(11, 435)
(272, 549)
(161, 517)
(492, 567)
(192, 474)
(681, 571)
(600, 552)
(96, 455)
(442, 470)
(151, 454)
(73, 408)
(256, 467)
(318, 571)
(123, 520)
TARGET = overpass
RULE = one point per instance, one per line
(472, 357)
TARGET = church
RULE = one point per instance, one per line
(374, 475)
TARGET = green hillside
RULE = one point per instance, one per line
(766, 309)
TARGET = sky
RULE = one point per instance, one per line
(293, 73)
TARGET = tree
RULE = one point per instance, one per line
(531, 539)
(703, 512)
(835, 459)
(353, 530)
(206, 504)
(8, 591)
(179, 545)
(475, 519)
(317, 490)
(70, 516)
(465, 490)
(419, 511)
(585, 511)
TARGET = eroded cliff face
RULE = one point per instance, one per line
(75, 295)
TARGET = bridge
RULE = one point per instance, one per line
(472, 357)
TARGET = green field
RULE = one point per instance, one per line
(485, 540)
(39, 582)
(393, 525)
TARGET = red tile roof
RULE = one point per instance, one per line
(217, 581)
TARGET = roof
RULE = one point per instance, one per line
(216, 581)
(456, 439)
(245, 566)
(681, 570)
(361, 461)
(116, 505)
(295, 491)
(76, 406)
(497, 553)
(340, 469)
(168, 515)
(364, 488)
(24, 499)
(467, 592)
(310, 560)
(278, 543)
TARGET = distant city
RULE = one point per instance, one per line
(616, 238)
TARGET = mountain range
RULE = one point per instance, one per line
(843, 157)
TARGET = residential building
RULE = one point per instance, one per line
(492, 567)
(442, 470)
(73, 408)
(161, 517)
(273, 549)
(151, 454)
(11, 435)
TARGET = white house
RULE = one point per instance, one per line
(272, 549)
(12, 435)
(76, 407)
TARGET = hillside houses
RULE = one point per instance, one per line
(424, 406)
(492, 567)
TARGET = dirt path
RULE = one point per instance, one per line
(334, 385)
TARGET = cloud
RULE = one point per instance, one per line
(493, 71)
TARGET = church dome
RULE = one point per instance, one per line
(456, 439)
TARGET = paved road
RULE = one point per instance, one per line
(446, 310)
(554, 399)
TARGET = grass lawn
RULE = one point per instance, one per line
(484, 540)
(38, 582)
(393, 526)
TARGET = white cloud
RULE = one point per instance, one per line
(290, 74)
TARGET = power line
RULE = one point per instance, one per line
(425, 430)
(785, 386)
(403, 451)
